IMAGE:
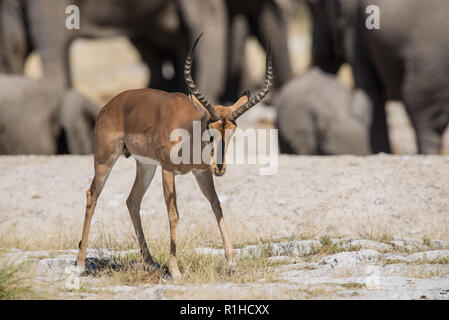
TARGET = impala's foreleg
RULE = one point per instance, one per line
(206, 183)
(144, 176)
(168, 181)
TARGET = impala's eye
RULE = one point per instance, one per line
(211, 139)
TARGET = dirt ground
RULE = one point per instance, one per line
(383, 199)
(338, 196)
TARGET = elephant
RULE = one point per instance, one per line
(14, 40)
(36, 119)
(161, 30)
(265, 19)
(405, 59)
(317, 115)
(77, 120)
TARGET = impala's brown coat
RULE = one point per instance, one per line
(140, 123)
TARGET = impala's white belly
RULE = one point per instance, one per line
(146, 160)
(151, 161)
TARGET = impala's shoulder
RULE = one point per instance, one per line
(180, 101)
(180, 96)
(142, 92)
(149, 92)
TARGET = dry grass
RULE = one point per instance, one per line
(14, 282)
(423, 272)
(125, 265)
(66, 236)
(424, 261)
(195, 268)
(330, 247)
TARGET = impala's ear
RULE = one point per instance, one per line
(198, 104)
(243, 99)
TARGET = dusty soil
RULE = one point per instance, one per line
(399, 206)
(337, 196)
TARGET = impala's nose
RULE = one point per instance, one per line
(219, 173)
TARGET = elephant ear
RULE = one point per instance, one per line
(361, 106)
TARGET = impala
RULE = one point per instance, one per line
(139, 123)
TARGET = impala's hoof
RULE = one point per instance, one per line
(232, 264)
(152, 267)
(80, 268)
(176, 275)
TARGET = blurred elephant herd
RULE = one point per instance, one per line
(405, 59)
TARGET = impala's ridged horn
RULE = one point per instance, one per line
(191, 84)
(261, 93)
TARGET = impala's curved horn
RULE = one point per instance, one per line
(261, 93)
(192, 86)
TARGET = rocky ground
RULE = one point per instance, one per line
(332, 227)
(364, 269)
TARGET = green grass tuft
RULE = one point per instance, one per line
(12, 282)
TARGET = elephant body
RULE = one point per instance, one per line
(29, 121)
(34, 116)
(318, 115)
(264, 19)
(406, 59)
(161, 30)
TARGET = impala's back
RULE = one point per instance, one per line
(142, 121)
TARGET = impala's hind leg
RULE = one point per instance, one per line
(103, 165)
(144, 176)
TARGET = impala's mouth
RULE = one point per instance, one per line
(219, 173)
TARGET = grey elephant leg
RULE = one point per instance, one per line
(238, 33)
(211, 18)
(155, 59)
(55, 59)
(426, 98)
(51, 39)
(429, 141)
(379, 128)
(178, 65)
(77, 119)
(14, 46)
(284, 145)
(429, 124)
(429, 115)
(368, 82)
(327, 53)
(271, 26)
(367, 79)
